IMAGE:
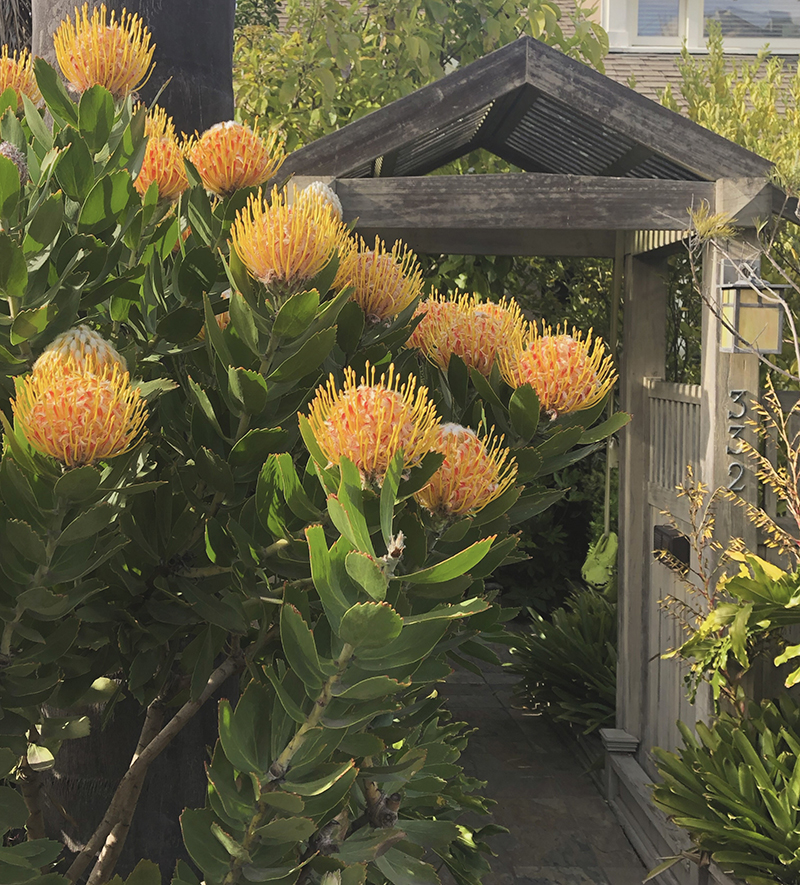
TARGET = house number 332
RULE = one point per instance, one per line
(736, 425)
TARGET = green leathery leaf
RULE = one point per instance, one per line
(560, 442)
(294, 493)
(26, 541)
(413, 644)
(207, 853)
(197, 273)
(606, 429)
(228, 739)
(532, 502)
(78, 484)
(305, 360)
(296, 314)
(13, 811)
(284, 697)
(45, 225)
(333, 599)
(234, 848)
(351, 498)
(367, 572)
(54, 93)
(95, 116)
(391, 484)
(254, 447)
(524, 410)
(287, 829)
(403, 869)
(214, 334)
(180, 325)
(290, 803)
(300, 648)
(370, 689)
(9, 187)
(326, 775)
(13, 274)
(87, 524)
(450, 612)
(106, 202)
(201, 399)
(248, 388)
(370, 625)
(243, 322)
(453, 567)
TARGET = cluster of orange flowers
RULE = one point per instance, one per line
(16, 72)
(370, 422)
(78, 405)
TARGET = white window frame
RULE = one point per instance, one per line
(620, 20)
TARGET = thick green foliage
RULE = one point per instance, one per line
(736, 791)
(336, 61)
(569, 662)
(225, 543)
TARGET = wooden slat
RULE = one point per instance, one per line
(666, 133)
(509, 201)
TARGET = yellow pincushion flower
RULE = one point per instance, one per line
(16, 72)
(163, 159)
(475, 472)
(285, 246)
(568, 373)
(79, 417)
(472, 329)
(78, 350)
(100, 51)
(229, 156)
(370, 422)
(384, 283)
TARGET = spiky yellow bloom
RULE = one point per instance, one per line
(163, 158)
(318, 189)
(229, 156)
(472, 329)
(16, 72)
(475, 472)
(370, 422)
(568, 372)
(78, 349)
(384, 283)
(79, 417)
(100, 51)
(285, 246)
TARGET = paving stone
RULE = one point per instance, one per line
(561, 832)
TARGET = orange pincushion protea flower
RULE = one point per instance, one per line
(79, 350)
(384, 283)
(163, 159)
(285, 246)
(229, 156)
(472, 329)
(16, 72)
(567, 372)
(79, 417)
(98, 51)
(475, 472)
(369, 423)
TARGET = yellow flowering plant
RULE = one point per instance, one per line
(224, 459)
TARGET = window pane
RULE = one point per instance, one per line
(659, 18)
(761, 19)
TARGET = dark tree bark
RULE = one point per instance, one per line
(15, 24)
(194, 46)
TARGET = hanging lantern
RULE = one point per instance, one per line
(752, 318)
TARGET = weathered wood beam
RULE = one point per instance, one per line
(629, 160)
(507, 202)
(419, 113)
(677, 138)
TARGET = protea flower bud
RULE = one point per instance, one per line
(79, 417)
(229, 156)
(79, 350)
(322, 191)
(16, 72)
(475, 472)
(98, 51)
(384, 283)
(371, 422)
(472, 329)
(13, 153)
(568, 373)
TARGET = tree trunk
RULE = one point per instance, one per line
(194, 46)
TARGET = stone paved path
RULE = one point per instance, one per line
(561, 830)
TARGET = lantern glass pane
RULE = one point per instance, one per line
(749, 296)
(761, 327)
(726, 340)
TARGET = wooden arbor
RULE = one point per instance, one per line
(607, 173)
